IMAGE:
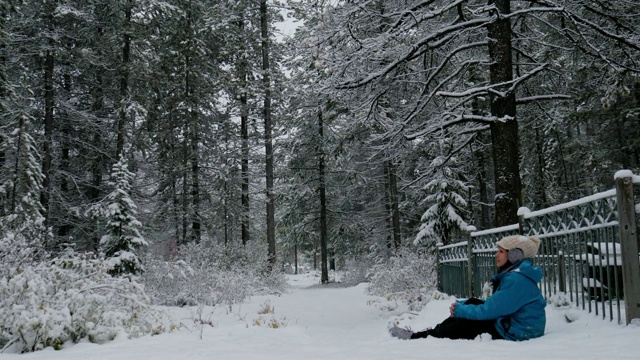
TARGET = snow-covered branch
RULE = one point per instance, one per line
(410, 13)
(420, 46)
(453, 76)
(529, 99)
(491, 88)
(458, 119)
(533, 9)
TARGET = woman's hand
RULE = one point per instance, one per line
(452, 308)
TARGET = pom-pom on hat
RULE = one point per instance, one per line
(528, 245)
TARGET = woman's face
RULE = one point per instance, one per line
(501, 257)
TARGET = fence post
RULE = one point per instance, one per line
(562, 286)
(521, 211)
(629, 244)
(469, 264)
(438, 268)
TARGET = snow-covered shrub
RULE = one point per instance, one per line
(407, 276)
(357, 271)
(16, 250)
(560, 300)
(211, 274)
(68, 299)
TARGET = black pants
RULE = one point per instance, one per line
(456, 328)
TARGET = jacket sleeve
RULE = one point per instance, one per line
(511, 296)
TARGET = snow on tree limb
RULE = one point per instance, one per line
(421, 45)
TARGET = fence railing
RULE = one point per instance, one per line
(588, 253)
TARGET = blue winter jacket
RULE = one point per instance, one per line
(517, 305)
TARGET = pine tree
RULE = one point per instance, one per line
(22, 228)
(122, 242)
(447, 204)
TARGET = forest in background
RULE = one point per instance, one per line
(379, 124)
(181, 152)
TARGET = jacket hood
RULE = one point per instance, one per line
(526, 268)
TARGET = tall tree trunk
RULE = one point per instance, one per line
(192, 135)
(47, 163)
(48, 132)
(244, 137)
(185, 187)
(98, 158)
(225, 213)
(266, 82)
(636, 134)
(16, 166)
(195, 180)
(124, 80)
(322, 192)
(483, 191)
(395, 211)
(541, 165)
(97, 162)
(176, 210)
(244, 120)
(295, 256)
(622, 147)
(387, 206)
(64, 228)
(504, 133)
(4, 85)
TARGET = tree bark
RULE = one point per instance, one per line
(395, 211)
(47, 148)
(324, 278)
(504, 133)
(192, 126)
(124, 81)
(185, 189)
(266, 81)
(244, 136)
(195, 180)
(48, 132)
(64, 228)
(4, 85)
(97, 162)
(541, 165)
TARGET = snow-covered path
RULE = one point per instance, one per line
(344, 323)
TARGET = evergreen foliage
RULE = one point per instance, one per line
(446, 204)
(122, 242)
(23, 233)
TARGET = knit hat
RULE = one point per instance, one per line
(528, 245)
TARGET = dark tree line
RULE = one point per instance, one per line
(379, 124)
(464, 110)
(181, 89)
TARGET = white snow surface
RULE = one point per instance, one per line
(332, 322)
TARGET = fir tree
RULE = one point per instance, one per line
(445, 215)
(22, 230)
(122, 241)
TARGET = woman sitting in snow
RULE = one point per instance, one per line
(515, 311)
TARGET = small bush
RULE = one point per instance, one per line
(210, 274)
(68, 299)
(358, 272)
(269, 321)
(407, 276)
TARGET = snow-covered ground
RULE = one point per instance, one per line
(313, 322)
